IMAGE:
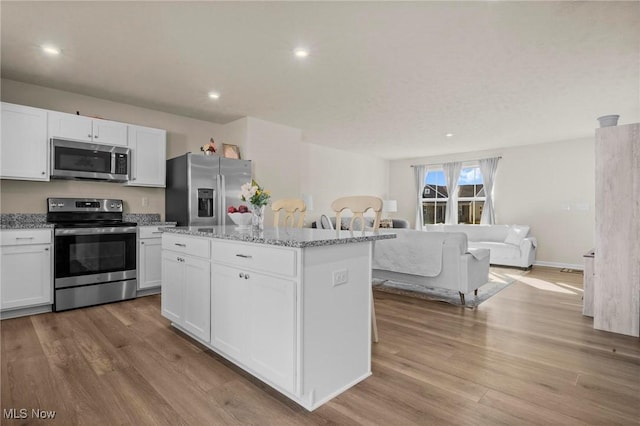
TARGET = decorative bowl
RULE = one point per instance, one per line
(242, 220)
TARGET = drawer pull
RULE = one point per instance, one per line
(156, 232)
(244, 256)
(180, 245)
(24, 238)
(241, 275)
(246, 276)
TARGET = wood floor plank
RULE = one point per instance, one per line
(525, 356)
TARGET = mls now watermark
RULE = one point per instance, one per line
(24, 413)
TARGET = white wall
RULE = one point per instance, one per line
(289, 167)
(328, 173)
(547, 186)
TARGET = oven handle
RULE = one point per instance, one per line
(96, 231)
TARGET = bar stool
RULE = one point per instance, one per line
(290, 207)
(358, 205)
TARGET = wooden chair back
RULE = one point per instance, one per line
(291, 206)
(358, 205)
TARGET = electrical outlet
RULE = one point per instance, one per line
(340, 277)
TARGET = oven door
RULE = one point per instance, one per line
(94, 255)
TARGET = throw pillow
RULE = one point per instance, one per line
(516, 234)
(386, 223)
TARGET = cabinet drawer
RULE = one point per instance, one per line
(191, 246)
(25, 236)
(273, 259)
(151, 231)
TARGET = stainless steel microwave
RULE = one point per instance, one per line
(81, 160)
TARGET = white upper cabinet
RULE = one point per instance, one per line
(23, 146)
(86, 129)
(149, 151)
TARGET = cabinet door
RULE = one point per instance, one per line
(23, 146)
(109, 132)
(272, 318)
(172, 284)
(229, 310)
(149, 269)
(69, 126)
(197, 297)
(26, 278)
(148, 150)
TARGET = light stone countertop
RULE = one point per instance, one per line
(285, 237)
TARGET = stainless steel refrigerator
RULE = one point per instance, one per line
(200, 188)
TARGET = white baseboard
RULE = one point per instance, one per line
(576, 266)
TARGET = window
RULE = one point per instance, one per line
(470, 196)
(434, 197)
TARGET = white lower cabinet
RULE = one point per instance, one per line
(26, 264)
(186, 292)
(253, 320)
(149, 257)
(275, 311)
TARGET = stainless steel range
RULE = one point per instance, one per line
(94, 252)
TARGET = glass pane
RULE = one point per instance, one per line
(435, 177)
(433, 212)
(464, 212)
(435, 191)
(480, 191)
(82, 160)
(470, 176)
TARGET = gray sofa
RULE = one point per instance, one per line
(397, 223)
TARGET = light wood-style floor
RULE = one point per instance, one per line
(526, 356)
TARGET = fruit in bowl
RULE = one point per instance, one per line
(241, 216)
(240, 209)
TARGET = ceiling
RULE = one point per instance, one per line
(383, 78)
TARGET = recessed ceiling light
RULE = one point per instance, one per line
(301, 52)
(449, 135)
(214, 95)
(50, 50)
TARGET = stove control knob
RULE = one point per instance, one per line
(60, 204)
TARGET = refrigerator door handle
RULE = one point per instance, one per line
(221, 199)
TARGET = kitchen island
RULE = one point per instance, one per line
(289, 306)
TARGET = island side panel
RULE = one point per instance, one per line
(336, 319)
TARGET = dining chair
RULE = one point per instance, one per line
(325, 222)
(291, 206)
(358, 205)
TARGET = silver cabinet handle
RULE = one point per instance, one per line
(180, 245)
(47, 249)
(157, 232)
(24, 238)
(89, 135)
(141, 242)
(241, 275)
(244, 256)
(43, 173)
(96, 136)
(246, 276)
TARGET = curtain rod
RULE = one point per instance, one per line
(444, 162)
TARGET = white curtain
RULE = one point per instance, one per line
(452, 174)
(419, 173)
(488, 168)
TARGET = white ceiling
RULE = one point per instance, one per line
(385, 78)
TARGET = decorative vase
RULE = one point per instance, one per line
(257, 217)
(608, 120)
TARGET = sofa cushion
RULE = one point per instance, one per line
(498, 250)
(516, 234)
(416, 252)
